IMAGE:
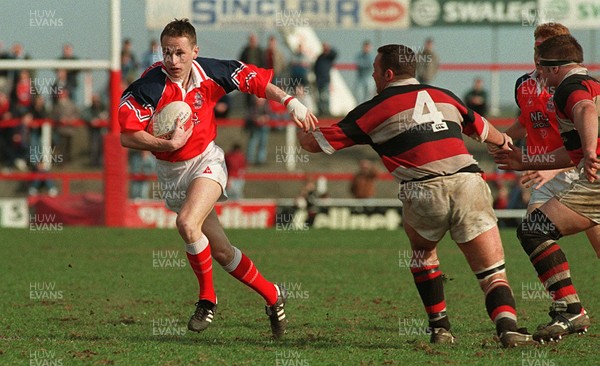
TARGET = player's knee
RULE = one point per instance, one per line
(535, 230)
(188, 228)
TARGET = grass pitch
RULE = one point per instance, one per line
(114, 296)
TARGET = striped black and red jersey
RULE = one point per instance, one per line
(211, 79)
(537, 115)
(577, 87)
(415, 128)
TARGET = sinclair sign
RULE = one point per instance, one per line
(269, 14)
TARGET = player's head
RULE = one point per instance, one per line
(178, 42)
(548, 30)
(393, 62)
(557, 55)
(544, 31)
(180, 28)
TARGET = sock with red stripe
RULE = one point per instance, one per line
(198, 254)
(430, 285)
(538, 237)
(499, 298)
(553, 271)
(243, 269)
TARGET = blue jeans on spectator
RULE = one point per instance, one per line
(323, 102)
(144, 164)
(257, 145)
(235, 188)
(363, 89)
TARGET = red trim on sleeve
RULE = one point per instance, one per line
(287, 101)
(575, 97)
(336, 137)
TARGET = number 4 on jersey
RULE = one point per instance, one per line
(419, 116)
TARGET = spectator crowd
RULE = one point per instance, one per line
(28, 100)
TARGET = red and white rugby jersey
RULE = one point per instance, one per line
(537, 115)
(577, 87)
(211, 79)
(415, 128)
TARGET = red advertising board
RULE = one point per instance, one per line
(238, 215)
(86, 210)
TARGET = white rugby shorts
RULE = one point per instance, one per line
(460, 203)
(582, 197)
(558, 184)
(175, 177)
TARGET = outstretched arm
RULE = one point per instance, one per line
(513, 159)
(497, 140)
(300, 115)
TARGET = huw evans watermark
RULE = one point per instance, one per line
(412, 327)
(295, 290)
(44, 18)
(289, 154)
(536, 357)
(168, 259)
(44, 358)
(289, 222)
(44, 291)
(168, 327)
(44, 154)
(290, 358)
(167, 191)
(535, 291)
(411, 259)
(46, 223)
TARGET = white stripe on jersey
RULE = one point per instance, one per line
(248, 78)
(124, 98)
(138, 113)
(234, 75)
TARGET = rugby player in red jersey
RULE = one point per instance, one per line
(537, 121)
(192, 167)
(417, 130)
(577, 208)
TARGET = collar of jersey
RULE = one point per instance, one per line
(196, 79)
(577, 70)
(409, 81)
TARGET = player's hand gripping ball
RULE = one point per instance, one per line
(167, 119)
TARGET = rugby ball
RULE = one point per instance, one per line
(164, 121)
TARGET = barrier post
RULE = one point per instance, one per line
(290, 141)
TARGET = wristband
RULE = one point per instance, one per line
(503, 141)
(286, 100)
(294, 106)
